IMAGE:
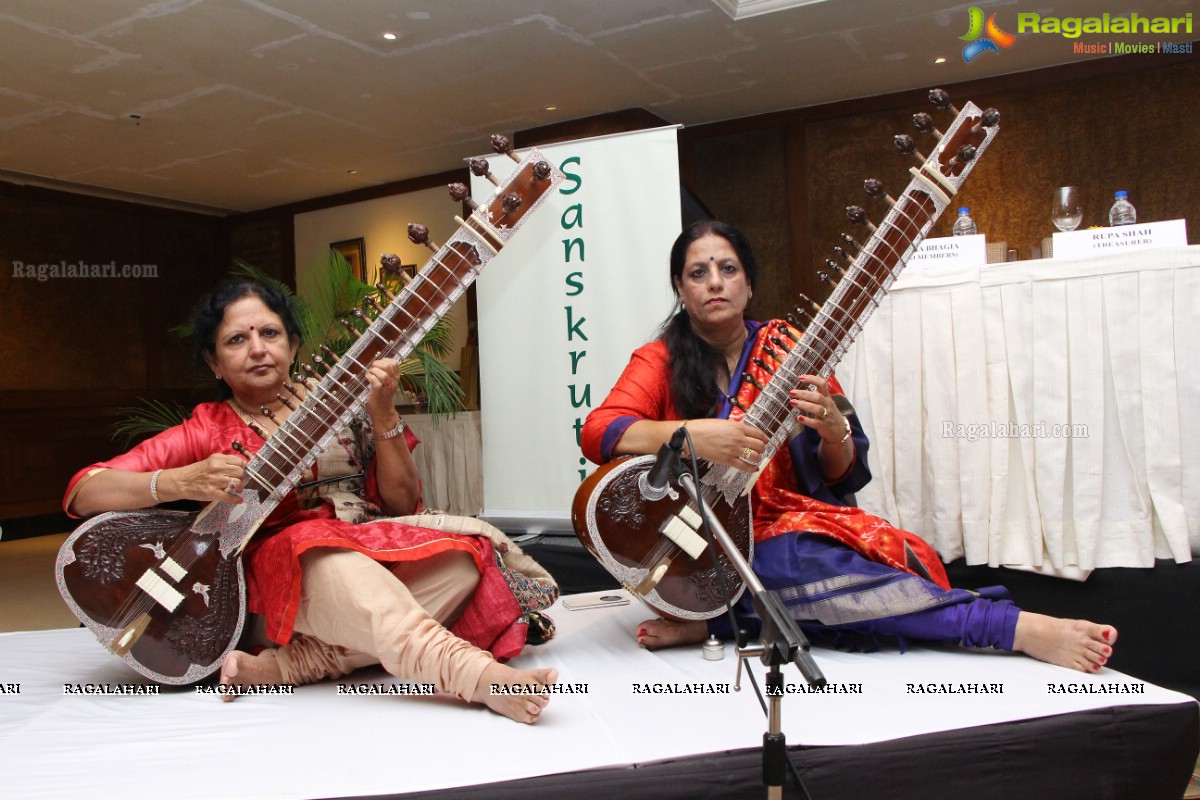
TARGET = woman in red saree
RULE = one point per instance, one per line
(342, 572)
(846, 576)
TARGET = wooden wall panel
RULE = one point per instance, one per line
(745, 183)
(75, 350)
(1121, 123)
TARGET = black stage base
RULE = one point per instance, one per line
(1034, 759)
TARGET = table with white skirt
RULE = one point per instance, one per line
(449, 461)
(1036, 413)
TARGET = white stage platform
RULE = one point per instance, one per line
(629, 707)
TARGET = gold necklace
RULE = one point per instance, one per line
(250, 417)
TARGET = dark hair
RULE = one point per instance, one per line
(696, 367)
(210, 312)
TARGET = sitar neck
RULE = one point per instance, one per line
(836, 323)
(341, 393)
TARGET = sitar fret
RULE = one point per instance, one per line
(825, 341)
(343, 391)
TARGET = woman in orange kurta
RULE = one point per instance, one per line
(340, 583)
(842, 573)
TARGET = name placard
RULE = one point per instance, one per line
(960, 251)
(1101, 241)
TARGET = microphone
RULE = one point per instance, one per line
(654, 483)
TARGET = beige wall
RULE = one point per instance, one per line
(383, 225)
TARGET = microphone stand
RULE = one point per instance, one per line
(780, 641)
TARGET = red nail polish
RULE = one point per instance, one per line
(641, 632)
(1105, 635)
(1107, 650)
(1096, 668)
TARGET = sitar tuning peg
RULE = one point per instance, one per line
(874, 188)
(266, 412)
(502, 144)
(827, 278)
(240, 448)
(815, 307)
(965, 155)
(841, 253)
(479, 168)
(758, 362)
(858, 216)
(286, 401)
(990, 119)
(835, 267)
(461, 194)
(258, 429)
(390, 263)
(941, 99)
(786, 331)
(511, 202)
(373, 303)
(292, 390)
(905, 146)
(320, 364)
(924, 123)
(309, 372)
(542, 170)
(385, 291)
(748, 378)
(419, 234)
(851, 241)
(331, 356)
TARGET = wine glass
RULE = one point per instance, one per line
(1067, 211)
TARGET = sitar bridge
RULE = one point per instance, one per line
(681, 528)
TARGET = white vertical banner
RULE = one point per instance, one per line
(561, 308)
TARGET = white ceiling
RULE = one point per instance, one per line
(237, 105)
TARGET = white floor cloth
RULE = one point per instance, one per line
(317, 743)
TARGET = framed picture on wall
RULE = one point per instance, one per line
(355, 253)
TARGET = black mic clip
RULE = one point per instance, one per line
(655, 483)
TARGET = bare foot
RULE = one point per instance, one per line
(1074, 643)
(242, 669)
(654, 634)
(515, 693)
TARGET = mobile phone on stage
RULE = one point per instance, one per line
(578, 602)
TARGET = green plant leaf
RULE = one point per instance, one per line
(151, 417)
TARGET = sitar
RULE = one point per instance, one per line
(165, 590)
(654, 546)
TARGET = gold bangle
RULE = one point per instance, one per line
(845, 422)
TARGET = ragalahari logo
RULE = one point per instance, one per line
(983, 37)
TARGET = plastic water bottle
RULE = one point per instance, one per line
(964, 225)
(1122, 211)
